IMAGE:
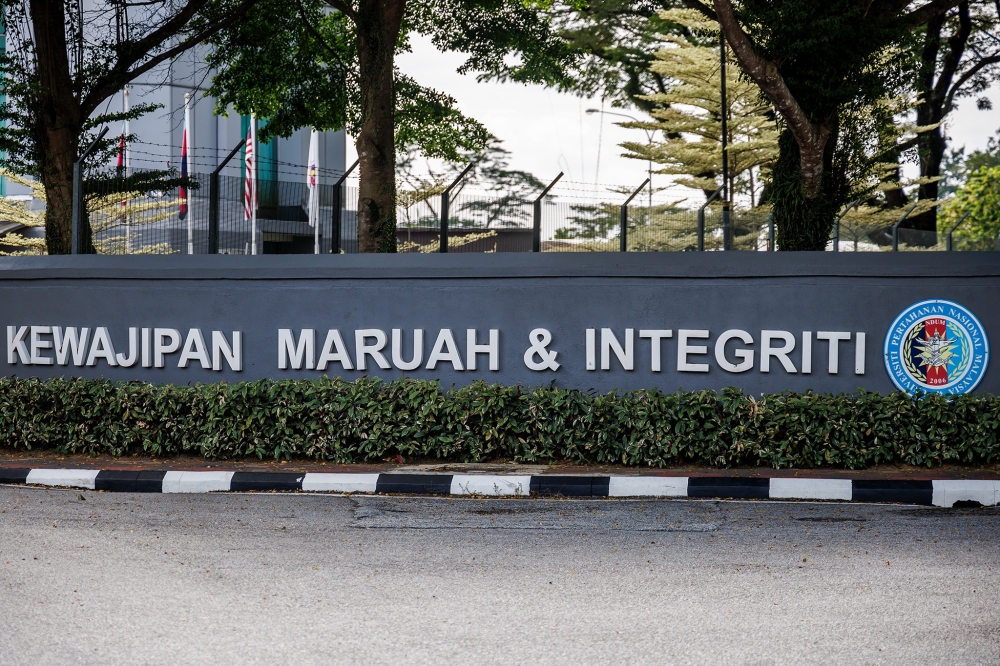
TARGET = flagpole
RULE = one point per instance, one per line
(185, 157)
(126, 159)
(312, 182)
(253, 185)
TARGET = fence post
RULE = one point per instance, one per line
(836, 225)
(78, 205)
(213, 200)
(445, 212)
(701, 219)
(536, 231)
(947, 243)
(895, 228)
(213, 213)
(727, 227)
(623, 233)
(338, 208)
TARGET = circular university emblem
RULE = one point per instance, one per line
(936, 346)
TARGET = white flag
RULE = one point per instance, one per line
(312, 178)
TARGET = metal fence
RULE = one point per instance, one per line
(213, 219)
(478, 223)
(125, 220)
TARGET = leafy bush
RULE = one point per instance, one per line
(370, 420)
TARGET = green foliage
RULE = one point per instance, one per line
(616, 40)
(296, 63)
(980, 198)
(369, 420)
(831, 53)
(957, 165)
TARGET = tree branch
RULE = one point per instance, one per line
(956, 47)
(924, 14)
(962, 80)
(319, 38)
(699, 6)
(906, 145)
(123, 71)
(811, 138)
(765, 74)
(344, 9)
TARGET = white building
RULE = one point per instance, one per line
(281, 168)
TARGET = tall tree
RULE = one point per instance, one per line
(688, 114)
(957, 57)
(815, 61)
(65, 59)
(350, 52)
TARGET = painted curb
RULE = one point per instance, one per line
(943, 493)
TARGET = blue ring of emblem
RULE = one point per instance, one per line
(950, 360)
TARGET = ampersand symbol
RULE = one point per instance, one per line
(540, 338)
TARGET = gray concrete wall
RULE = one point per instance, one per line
(566, 294)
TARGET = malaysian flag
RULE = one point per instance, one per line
(182, 191)
(250, 182)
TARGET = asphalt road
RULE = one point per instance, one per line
(296, 579)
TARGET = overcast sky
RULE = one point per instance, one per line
(548, 132)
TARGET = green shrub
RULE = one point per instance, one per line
(369, 420)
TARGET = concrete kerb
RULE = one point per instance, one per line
(941, 493)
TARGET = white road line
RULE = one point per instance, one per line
(946, 493)
(490, 485)
(73, 478)
(340, 483)
(822, 489)
(648, 486)
(197, 482)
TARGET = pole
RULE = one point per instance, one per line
(78, 209)
(727, 227)
(252, 174)
(727, 232)
(836, 225)
(185, 157)
(895, 228)
(701, 220)
(128, 163)
(445, 201)
(338, 204)
(213, 200)
(623, 233)
(770, 231)
(952, 230)
(536, 231)
(723, 113)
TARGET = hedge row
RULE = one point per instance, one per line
(370, 420)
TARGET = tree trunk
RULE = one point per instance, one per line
(934, 97)
(58, 123)
(802, 191)
(932, 147)
(378, 25)
(57, 177)
(803, 222)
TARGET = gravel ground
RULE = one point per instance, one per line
(98, 578)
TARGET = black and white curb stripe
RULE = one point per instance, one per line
(943, 493)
